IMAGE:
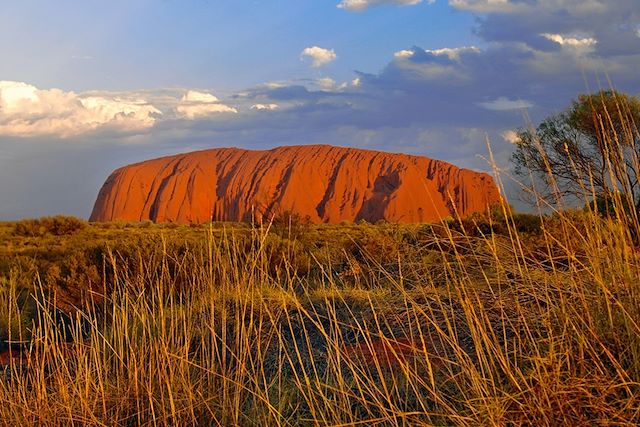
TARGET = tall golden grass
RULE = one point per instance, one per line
(480, 332)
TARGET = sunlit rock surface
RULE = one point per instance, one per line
(322, 183)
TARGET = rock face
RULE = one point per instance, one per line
(322, 183)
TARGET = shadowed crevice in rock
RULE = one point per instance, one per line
(321, 208)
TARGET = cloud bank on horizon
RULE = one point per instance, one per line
(440, 101)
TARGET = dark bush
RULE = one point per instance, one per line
(527, 223)
(291, 224)
(610, 206)
(29, 228)
(55, 225)
(495, 221)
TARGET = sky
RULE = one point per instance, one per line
(87, 87)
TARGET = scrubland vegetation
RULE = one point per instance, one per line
(388, 324)
(497, 319)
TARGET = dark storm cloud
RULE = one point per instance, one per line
(613, 23)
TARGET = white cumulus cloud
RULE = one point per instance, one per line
(359, 5)
(202, 97)
(27, 111)
(268, 107)
(326, 83)
(571, 41)
(403, 54)
(505, 104)
(510, 136)
(453, 53)
(196, 105)
(319, 55)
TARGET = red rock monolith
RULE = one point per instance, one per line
(322, 183)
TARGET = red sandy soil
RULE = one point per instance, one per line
(26, 357)
(8, 357)
(321, 183)
(387, 353)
